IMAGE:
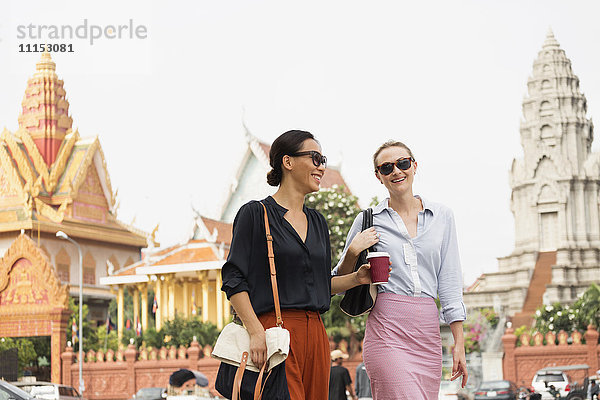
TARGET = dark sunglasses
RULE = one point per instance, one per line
(317, 158)
(388, 167)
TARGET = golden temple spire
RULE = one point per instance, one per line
(45, 113)
(46, 63)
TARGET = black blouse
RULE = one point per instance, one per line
(303, 268)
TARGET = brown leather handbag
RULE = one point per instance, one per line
(238, 377)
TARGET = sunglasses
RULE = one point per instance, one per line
(317, 158)
(388, 167)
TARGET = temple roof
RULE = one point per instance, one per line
(186, 259)
(52, 178)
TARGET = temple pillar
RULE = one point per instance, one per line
(219, 295)
(120, 313)
(136, 306)
(158, 297)
(171, 288)
(164, 302)
(186, 300)
(58, 342)
(204, 296)
(144, 291)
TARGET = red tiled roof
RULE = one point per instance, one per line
(189, 256)
(127, 270)
(224, 230)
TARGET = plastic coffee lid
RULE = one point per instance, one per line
(378, 254)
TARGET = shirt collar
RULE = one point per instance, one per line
(281, 209)
(385, 205)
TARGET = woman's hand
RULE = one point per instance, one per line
(363, 240)
(258, 348)
(363, 275)
(459, 365)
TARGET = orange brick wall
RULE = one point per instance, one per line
(521, 363)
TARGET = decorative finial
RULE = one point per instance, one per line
(550, 41)
(46, 63)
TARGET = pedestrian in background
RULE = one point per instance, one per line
(339, 378)
(362, 383)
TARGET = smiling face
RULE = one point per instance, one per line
(399, 182)
(301, 169)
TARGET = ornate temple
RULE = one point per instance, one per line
(52, 179)
(554, 198)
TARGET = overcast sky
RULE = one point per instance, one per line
(446, 77)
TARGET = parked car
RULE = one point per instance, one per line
(505, 390)
(546, 377)
(8, 391)
(449, 390)
(151, 393)
(49, 390)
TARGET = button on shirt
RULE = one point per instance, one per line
(303, 267)
(426, 265)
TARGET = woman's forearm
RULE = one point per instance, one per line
(344, 282)
(242, 306)
(348, 262)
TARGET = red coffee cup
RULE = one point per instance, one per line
(380, 266)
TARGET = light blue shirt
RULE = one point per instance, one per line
(426, 265)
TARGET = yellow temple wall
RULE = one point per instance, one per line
(212, 302)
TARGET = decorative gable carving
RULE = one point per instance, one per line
(28, 278)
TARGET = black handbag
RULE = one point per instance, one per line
(360, 299)
(276, 389)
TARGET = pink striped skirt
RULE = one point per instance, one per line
(402, 349)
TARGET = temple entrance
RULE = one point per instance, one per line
(33, 302)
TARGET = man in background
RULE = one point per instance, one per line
(362, 383)
(339, 378)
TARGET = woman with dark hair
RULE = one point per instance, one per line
(402, 348)
(303, 263)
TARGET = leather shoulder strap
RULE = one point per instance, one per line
(271, 256)
(369, 218)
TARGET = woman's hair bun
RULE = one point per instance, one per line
(274, 177)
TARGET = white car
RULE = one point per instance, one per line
(546, 377)
(49, 390)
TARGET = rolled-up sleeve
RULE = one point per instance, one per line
(450, 282)
(235, 270)
(354, 230)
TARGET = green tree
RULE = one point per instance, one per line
(587, 308)
(105, 341)
(339, 209)
(557, 317)
(25, 350)
(89, 335)
(180, 331)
